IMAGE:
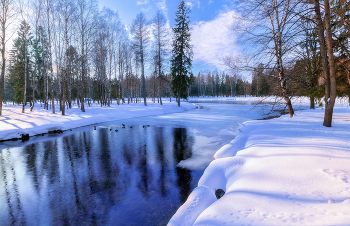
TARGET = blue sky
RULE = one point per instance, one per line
(210, 20)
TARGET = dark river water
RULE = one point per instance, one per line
(98, 177)
(106, 177)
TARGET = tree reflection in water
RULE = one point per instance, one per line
(97, 177)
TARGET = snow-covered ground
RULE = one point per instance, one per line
(13, 123)
(284, 171)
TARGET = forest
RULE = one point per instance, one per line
(72, 52)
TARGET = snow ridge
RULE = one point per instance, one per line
(284, 171)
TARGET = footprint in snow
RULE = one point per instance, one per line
(339, 175)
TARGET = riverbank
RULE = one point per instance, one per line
(14, 123)
(283, 171)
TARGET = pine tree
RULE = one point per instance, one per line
(20, 64)
(182, 53)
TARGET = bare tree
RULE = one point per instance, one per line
(86, 12)
(123, 47)
(327, 63)
(7, 17)
(68, 10)
(273, 26)
(161, 33)
(49, 69)
(141, 34)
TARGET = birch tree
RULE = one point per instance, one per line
(161, 34)
(86, 10)
(141, 34)
(49, 70)
(7, 17)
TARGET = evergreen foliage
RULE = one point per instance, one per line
(38, 54)
(21, 47)
(182, 54)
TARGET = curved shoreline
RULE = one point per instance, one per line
(14, 124)
(274, 167)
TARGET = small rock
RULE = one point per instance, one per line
(25, 137)
(219, 193)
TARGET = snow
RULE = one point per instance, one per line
(13, 123)
(284, 171)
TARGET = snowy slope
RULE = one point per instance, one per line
(284, 171)
(13, 123)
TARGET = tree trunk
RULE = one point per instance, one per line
(50, 63)
(160, 90)
(25, 70)
(3, 66)
(33, 95)
(312, 102)
(143, 79)
(280, 69)
(325, 64)
(82, 106)
(46, 87)
(329, 108)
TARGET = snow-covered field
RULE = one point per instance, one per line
(284, 171)
(13, 123)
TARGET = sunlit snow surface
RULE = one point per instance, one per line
(13, 123)
(87, 175)
(284, 171)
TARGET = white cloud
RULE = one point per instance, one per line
(148, 9)
(214, 40)
(191, 3)
(161, 4)
(145, 2)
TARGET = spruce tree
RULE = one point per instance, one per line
(182, 53)
(20, 64)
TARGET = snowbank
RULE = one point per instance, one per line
(13, 123)
(284, 171)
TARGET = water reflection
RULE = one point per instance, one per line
(97, 177)
(182, 150)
